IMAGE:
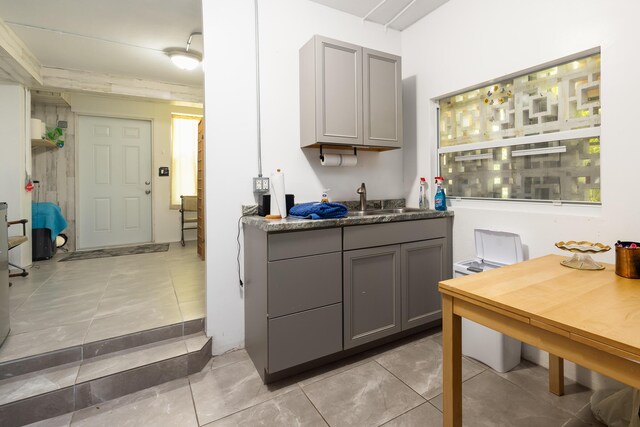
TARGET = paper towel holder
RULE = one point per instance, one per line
(355, 153)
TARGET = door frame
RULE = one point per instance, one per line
(78, 115)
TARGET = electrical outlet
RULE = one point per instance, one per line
(260, 185)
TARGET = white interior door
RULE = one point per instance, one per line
(115, 182)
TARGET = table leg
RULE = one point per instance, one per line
(451, 364)
(556, 375)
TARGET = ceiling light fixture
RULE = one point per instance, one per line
(185, 59)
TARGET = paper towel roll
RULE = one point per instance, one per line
(36, 128)
(278, 199)
(339, 160)
(349, 160)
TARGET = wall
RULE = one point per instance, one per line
(166, 221)
(231, 161)
(14, 110)
(464, 43)
(56, 168)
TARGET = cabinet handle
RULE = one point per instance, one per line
(539, 151)
(473, 157)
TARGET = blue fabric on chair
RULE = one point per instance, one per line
(48, 215)
(319, 210)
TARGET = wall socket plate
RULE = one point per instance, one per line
(260, 185)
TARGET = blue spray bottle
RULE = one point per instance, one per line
(441, 198)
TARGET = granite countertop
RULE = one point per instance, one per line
(294, 224)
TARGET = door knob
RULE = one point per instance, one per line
(147, 182)
(147, 192)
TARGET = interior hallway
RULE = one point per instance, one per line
(65, 304)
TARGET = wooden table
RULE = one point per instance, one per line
(589, 317)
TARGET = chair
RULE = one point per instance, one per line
(15, 241)
(188, 204)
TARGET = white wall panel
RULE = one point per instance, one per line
(450, 50)
(231, 160)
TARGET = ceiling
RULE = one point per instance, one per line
(129, 38)
(122, 37)
(397, 14)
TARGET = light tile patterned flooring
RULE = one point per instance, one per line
(64, 304)
(395, 385)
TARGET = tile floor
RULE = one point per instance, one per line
(395, 385)
(64, 304)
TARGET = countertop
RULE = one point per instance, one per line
(295, 224)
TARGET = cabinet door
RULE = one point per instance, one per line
(382, 96)
(423, 266)
(372, 296)
(338, 92)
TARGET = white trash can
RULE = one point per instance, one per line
(494, 249)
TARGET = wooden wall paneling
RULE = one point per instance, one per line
(114, 84)
(17, 63)
(200, 188)
(55, 168)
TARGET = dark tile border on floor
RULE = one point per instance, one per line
(113, 386)
(14, 368)
(111, 345)
(100, 390)
(193, 326)
(198, 359)
(37, 408)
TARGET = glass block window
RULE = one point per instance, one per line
(531, 137)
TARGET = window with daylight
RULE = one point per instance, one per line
(184, 157)
(532, 137)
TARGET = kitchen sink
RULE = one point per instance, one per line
(399, 210)
(360, 213)
(383, 211)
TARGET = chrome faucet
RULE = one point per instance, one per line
(362, 191)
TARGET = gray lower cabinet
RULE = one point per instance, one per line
(372, 297)
(317, 294)
(293, 297)
(305, 336)
(423, 266)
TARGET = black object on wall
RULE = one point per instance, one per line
(163, 171)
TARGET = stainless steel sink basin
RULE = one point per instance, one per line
(383, 211)
(399, 210)
(359, 213)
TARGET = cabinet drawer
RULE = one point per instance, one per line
(302, 337)
(304, 243)
(304, 283)
(366, 236)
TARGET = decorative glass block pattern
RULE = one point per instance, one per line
(563, 97)
(567, 170)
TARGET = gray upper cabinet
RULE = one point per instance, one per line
(372, 298)
(423, 266)
(349, 95)
(330, 92)
(382, 97)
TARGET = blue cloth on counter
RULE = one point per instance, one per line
(319, 210)
(48, 215)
